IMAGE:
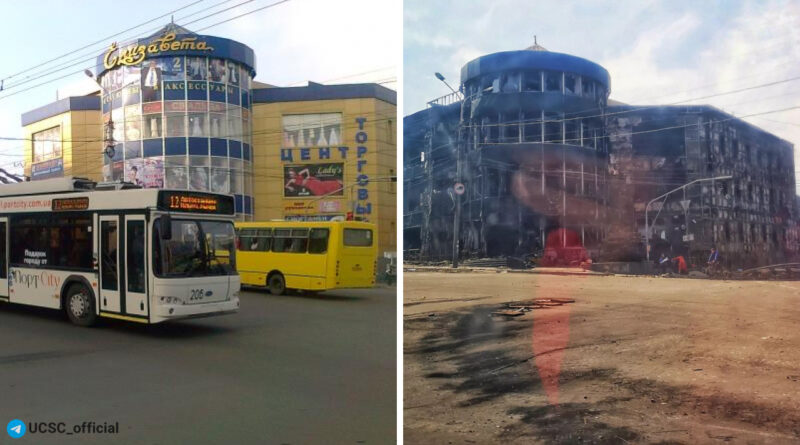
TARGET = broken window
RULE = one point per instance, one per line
(571, 135)
(532, 81)
(510, 127)
(552, 127)
(570, 83)
(511, 83)
(552, 81)
(532, 128)
(486, 84)
(588, 88)
(589, 139)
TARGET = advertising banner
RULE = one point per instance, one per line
(310, 180)
(47, 169)
(148, 172)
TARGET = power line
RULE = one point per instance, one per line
(103, 39)
(93, 54)
(92, 58)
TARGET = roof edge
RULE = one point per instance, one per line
(72, 103)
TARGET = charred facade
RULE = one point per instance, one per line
(545, 162)
(751, 218)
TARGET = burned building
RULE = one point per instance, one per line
(528, 154)
(749, 218)
(525, 139)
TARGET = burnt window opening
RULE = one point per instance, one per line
(588, 135)
(492, 183)
(489, 129)
(570, 84)
(486, 84)
(571, 135)
(510, 127)
(532, 128)
(532, 81)
(588, 88)
(511, 83)
(552, 81)
(552, 127)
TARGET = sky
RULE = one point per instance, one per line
(343, 41)
(657, 52)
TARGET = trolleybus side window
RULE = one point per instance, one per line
(135, 253)
(52, 241)
(318, 241)
(358, 237)
(3, 268)
(108, 250)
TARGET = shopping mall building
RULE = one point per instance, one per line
(181, 110)
(532, 158)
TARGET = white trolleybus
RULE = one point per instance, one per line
(116, 250)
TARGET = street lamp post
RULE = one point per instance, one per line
(459, 142)
(108, 131)
(683, 187)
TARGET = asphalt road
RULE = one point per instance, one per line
(284, 370)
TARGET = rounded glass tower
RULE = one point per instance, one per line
(180, 107)
(533, 127)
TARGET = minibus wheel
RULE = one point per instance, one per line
(276, 284)
(79, 305)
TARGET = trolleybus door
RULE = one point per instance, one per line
(4, 258)
(109, 294)
(135, 272)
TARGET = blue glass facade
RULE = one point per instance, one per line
(181, 117)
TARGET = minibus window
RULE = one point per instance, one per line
(318, 241)
(299, 241)
(358, 237)
(281, 240)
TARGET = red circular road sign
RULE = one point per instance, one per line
(459, 188)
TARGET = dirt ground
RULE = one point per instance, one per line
(632, 360)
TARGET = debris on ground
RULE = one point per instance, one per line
(518, 308)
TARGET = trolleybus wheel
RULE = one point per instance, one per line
(79, 305)
(276, 284)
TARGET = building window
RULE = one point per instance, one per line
(510, 127)
(552, 81)
(312, 130)
(552, 127)
(571, 83)
(588, 88)
(47, 144)
(532, 81)
(533, 126)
